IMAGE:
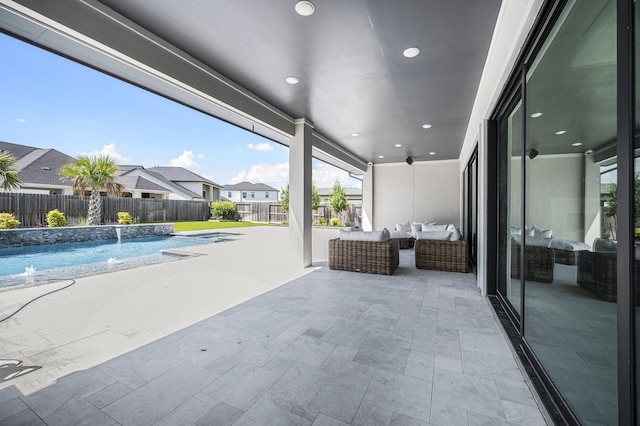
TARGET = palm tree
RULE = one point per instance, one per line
(8, 175)
(97, 173)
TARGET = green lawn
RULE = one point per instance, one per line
(199, 226)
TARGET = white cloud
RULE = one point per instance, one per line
(21, 120)
(110, 151)
(276, 175)
(200, 155)
(325, 176)
(264, 146)
(185, 160)
(209, 176)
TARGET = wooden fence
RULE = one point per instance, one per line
(32, 209)
(273, 213)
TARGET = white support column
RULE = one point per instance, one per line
(367, 199)
(300, 180)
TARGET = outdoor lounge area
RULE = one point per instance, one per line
(326, 347)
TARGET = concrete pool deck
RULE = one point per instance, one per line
(239, 336)
(103, 316)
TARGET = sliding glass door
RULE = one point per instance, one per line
(557, 189)
(470, 224)
(509, 197)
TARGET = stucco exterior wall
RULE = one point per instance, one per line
(425, 191)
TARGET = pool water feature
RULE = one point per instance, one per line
(29, 264)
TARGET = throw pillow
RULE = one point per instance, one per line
(455, 234)
(403, 227)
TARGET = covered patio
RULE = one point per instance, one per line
(324, 348)
(310, 345)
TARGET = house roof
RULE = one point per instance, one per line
(248, 186)
(168, 184)
(350, 191)
(37, 166)
(180, 174)
(140, 183)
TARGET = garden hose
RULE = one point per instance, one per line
(36, 298)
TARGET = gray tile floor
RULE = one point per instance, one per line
(330, 348)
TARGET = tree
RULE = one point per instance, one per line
(97, 173)
(8, 174)
(338, 199)
(315, 197)
(284, 197)
(611, 204)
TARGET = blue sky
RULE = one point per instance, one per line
(52, 102)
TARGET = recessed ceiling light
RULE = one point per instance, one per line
(536, 114)
(398, 145)
(426, 126)
(305, 8)
(292, 80)
(432, 153)
(355, 134)
(576, 144)
(561, 132)
(380, 156)
(411, 52)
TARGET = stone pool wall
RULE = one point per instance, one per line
(35, 236)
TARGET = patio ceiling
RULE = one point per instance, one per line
(348, 57)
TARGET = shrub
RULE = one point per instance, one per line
(321, 221)
(7, 221)
(224, 210)
(124, 218)
(55, 219)
(335, 222)
(637, 233)
(285, 222)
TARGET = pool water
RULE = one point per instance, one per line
(27, 264)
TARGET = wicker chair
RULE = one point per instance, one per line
(539, 263)
(442, 255)
(364, 256)
(567, 257)
(598, 273)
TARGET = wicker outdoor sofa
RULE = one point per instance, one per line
(539, 263)
(373, 257)
(406, 243)
(441, 255)
(598, 271)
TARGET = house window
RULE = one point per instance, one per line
(266, 195)
(244, 195)
(229, 194)
(253, 194)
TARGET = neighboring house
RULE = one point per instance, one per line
(209, 190)
(247, 191)
(39, 169)
(354, 195)
(147, 183)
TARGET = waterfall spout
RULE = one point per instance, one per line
(119, 233)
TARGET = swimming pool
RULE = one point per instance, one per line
(29, 264)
